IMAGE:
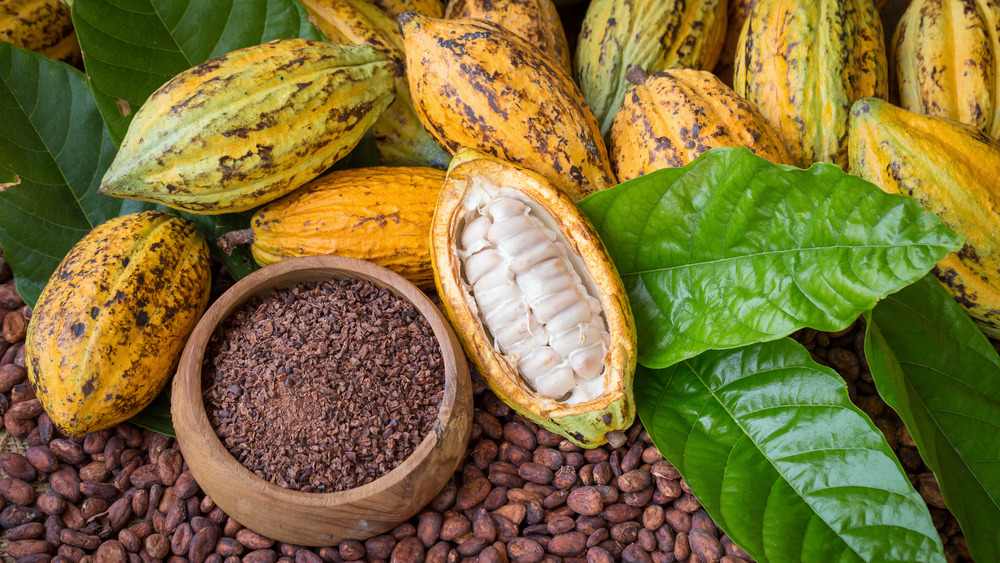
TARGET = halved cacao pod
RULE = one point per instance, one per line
(479, 86)
(672, 117)
(110, 325)
(399, 136)
(44, 26)
(952, 170)
(535, 21)
(653, 34)
(248, 127)
(378, 214)
(804, 63)
(535, 298)
(946, 56)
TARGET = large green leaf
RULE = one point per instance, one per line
(132, 47)
(937, 370)
(54, 143)
(783, 462)
(732, 249)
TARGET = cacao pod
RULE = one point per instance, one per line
(110, 325)
(479, 86)
(44, 26)
(535, 298)
(671, 117)
(248, 127)
(653, 34)
(396, 8)
(804, 63)
(378, 214)
(952, 170)
(399, 136)
(946, 56)
(535, 21)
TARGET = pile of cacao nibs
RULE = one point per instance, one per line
(521, 494)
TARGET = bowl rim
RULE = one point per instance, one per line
(248, 287)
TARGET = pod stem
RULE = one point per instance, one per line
(636, 75)
(229, 240)
(616, 438)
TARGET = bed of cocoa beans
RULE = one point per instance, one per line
(522, 494)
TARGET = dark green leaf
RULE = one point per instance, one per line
(783, 462)
(732, 249)
(132, 47)
(935, 368)
(156, 415)
(54, 142)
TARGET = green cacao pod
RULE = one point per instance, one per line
(248, 127)
(952, 169)
(535, 298)
(401, 139)
(670, 118)
(946, 56)
(653, 34)
(804, 63)
(110, 325)
(480, 86)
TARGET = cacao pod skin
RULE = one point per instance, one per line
(378, 214)
(110, 325)
(946, 56)
(479, 86)
(401, 139)
(535, 21)
(248, 127)
(653, 34)
(396, 8)
(588, 423)
(43, 26)
(673, 116)
(804, 63)
(952, 170)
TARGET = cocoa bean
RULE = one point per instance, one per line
(590, 524)
(15, 326)
(123, 480)
(103, 491)
(679, 520)
(704, 545)
(91, 507)
(472, 493)
(533, 512)
(514, 454)
(168, 466)
(504, 479)
(635, 554)
(404, 530)
(17, 466)
(484, 453)
(26, 548)
(688, 503)
(304, 556)
(553, 459)
(731, 559)
(95, 441)
(111, 552)
(352, 550)
(217, 515)
(408, 549)
(535, 473)
(651, 455)
(519, 435)
(231, 527)
(560, 525)
(37, 558)
(523, 496)
(585, 501)
(42, 459)
(647, 539)
(513, 512)
(454, 527)
(524, 550)
(17, 491)
(669, 488)
(130, 433)
(536, 529)
(146, 476)
(80, 539)
(438, 553)
(66, 482)
(570, 544)
(603, 473)
(490, 554)
(682, 549)
(13, 350)
(653, 517)
(547, 438)
(254, 541)
(586, 475)
(72, 517)
(506, 529)
(483, 525)
(113, 449)
(180, 541)
(19, 428)
(631, 460)
(665, 470)
(203, 544)
(625, 532)
(260, 556)
(555, 499)
(429, 528)
(229, 547)
(67, 451)
(26, 409)
(634, 480)
(471, 546)
(11, 375)
(639, 499)
(16, 515)
(9, 298)
(29, 531)
(130, 540)
(620, 513)
(445, 498)
(53, 524)
(380, 547)
(490, 425)
(564, 478)
(95, 472)
(599, 555)
(71, 553)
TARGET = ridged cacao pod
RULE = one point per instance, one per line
(378, 214)
(535, 21)
(951, 169)
(248, 127)
(396, 8)
(479, 86)
(672, 117)
(946, 56)
(535, 298)
(111, 323)
(804, 63)
(401, 139)
(44, 26)
(653, 34)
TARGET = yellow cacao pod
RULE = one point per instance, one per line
(653, 34)
(535, 298)
(804, 63)
(44, 26)
(248, 127)
(378, 214)
(479, 86)
(946, 56)
(396, 8)
(952, 170)
(110, 325)
(535, 21)
(399, 136)
(671, 117)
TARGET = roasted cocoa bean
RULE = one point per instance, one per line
(66, 482)
(454, 527)
(17, 491)
(408, 549)
(682, 549)
(599, 555)
(11, 375)
(585, 501)
(91, 507)
(483, 526)
(429, 528)
(16, 515)
(254, 541)
(103, 491)
(26, 409)
(679, 520)
(625, 532)
(203, 544)
(380, 547)
(590, 524)
(111, 552)
(556, 499)
(67, 451)
(80, 539)
(620, 513)
(570, 544)
(438, 553)
(26, 548)
(53, 524)
(639, 499)
(471, 546)
(687, 502)
(168, 466)
(229, 547)
(506, 529)
(42, 458)
(130, 540)
(29, 531)
(560, 525)
(17, 466)
(520, 435)
(496, 498)
(634, 480)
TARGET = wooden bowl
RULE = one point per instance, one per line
(321, 518)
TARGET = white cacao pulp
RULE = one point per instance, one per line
(532, 294)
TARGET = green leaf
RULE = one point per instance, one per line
(54, 142)
(732, 249)
(938, 371)
(132, 47)
(783, 462)
(156, 415)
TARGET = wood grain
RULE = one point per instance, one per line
(315, 519)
